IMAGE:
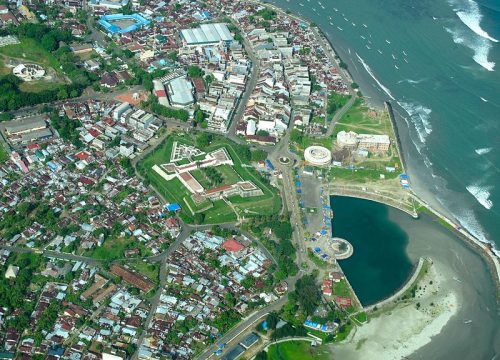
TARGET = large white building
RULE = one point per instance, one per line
(207, 34)
(369, 142)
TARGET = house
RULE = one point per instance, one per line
(11, 272)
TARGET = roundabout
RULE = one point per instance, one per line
(284, 160)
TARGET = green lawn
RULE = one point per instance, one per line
(341, 288)
(359, 118)
(113, 248)
(3, 154)
(152, 271)
(361, 175)
(297, 350)
(219, 211)
(38, 86)
(30, 50)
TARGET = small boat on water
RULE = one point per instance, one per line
(406, 61)
(369, 42)
(346, 19)
(322, 7)
(365, 25)
(405, 53)
(319, 3)
(331, 23)
(457, 279)
(396, 67)
(339, 28)
(393, 56)
(335, 9)
(467, 321)
(362, 37)
(353, 24)
(314, 9)
(387, 41)
(369, 48)
(301, 4)
(380, 51)
(329, 18)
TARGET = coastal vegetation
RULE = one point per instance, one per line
(296, 350)
(335, 102)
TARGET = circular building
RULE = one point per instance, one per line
(318, 155)
(29, 72)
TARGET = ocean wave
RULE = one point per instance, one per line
(472, 17)
(468, 221)
(370, 72)
(481, 47)
(482, 195)
(410, 81)
(420, 118)
(483, 151)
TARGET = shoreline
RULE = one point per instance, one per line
(476, 244)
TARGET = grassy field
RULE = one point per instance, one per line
(361, 175)
(3, 154)
(359, 118)
(218, 211)
(152, 271)
(296, 350)
(31, 51)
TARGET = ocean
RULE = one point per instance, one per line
(438, 62)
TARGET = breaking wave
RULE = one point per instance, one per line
(410, 81)
(472, 17)
(420, 118)
(483, 151)
(469, 14)
(481, 47)
(370, 72)
(481, 194)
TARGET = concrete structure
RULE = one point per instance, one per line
(207, 34)
(119, 110)
(318, 155)
(180, 92)
(11, 272)
(109, 4)
(370, 142)
(29, 72)
(26, 130)
(122, 24)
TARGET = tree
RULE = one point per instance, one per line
(307, 294)
(195, 72)
(262, 355)
(48, 42)
(203, 140)
(263, 133)
(199, 116)
(272, 320)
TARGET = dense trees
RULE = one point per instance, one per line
(195, 71)
(203, 140)
(307, 294)
(66, 128)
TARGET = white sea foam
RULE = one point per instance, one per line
(370, 72)
(410, 81)
(420, 118)
(482, 195)
(471, 17)
(480, 41)
(483, 151)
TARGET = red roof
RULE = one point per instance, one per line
(161, 93)
(94, 133)
(232, 245)
(33, 147)
(82, 155)
(344, 302)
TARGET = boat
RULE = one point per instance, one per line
(339, 28)
(406, 61)
(369, 48)
(346, 19)
(387, 41)
(396, 67)
(362, 37)
(301, 4)
(380, 51)
(467, 321)
(331, 23)
(329, 18)
(365, 25)
(335, 9)
(393, 56)
(457, 279)
(319, 3)
(314, 9)
(323, 7)
(405, 53)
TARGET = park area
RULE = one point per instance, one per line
(30, 51)
(211, 212)
(296, 350)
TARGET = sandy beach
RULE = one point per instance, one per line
(397, 332)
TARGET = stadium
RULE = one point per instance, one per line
(121, 24)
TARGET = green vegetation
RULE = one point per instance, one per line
(66, 128)
(361, 317)
(361, 175)
(152, 271)
(303, 141)
(361, 119)
(195, 71)
(3, 154)
(335, 102)
(208, 211)
(266, 14)
(154, 106)
(296, 350)
(13, 291)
